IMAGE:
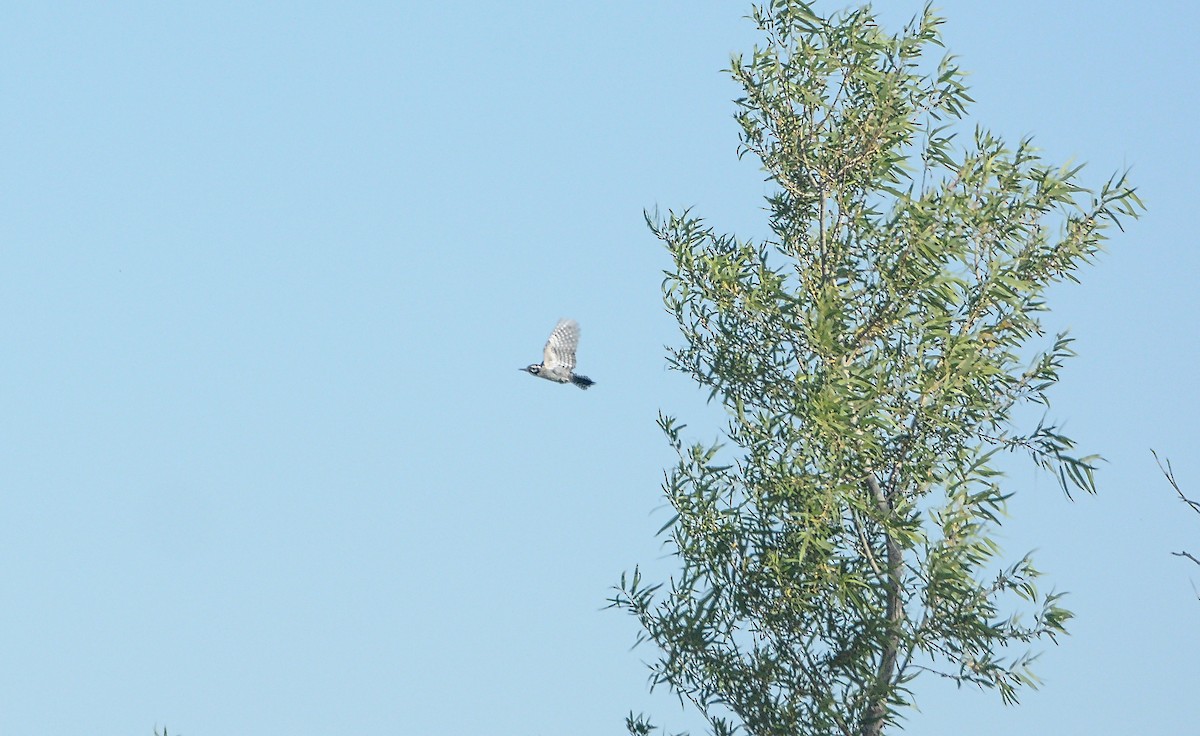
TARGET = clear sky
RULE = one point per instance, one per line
(267, 271)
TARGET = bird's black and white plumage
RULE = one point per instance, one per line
(558, 357)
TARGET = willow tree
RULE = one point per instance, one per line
(872, 354)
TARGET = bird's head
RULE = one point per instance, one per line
(532, 370)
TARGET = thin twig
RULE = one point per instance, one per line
(1188, 555)
(1170, 474)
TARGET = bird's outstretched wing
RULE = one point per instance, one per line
(560, 348)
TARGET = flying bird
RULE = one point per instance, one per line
(558, 357)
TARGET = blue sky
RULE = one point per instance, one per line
(268, 272)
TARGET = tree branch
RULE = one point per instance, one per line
(1188, 555)
(1169, 472)
(873, 720)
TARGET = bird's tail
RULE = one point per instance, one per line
(581, 381)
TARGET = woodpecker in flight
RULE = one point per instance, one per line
(558, 357)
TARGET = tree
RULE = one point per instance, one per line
(870, 354)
